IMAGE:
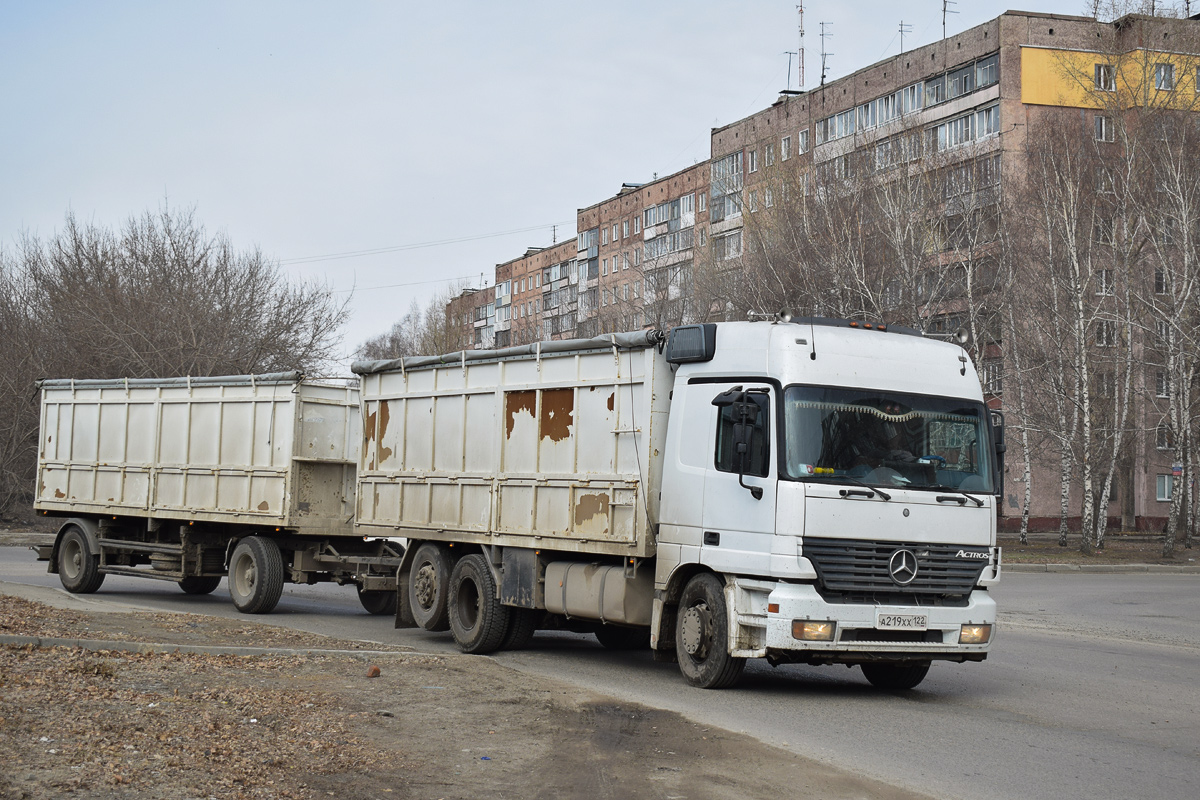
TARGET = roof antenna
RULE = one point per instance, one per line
(824, 54)
(800, 52)
(812, 337)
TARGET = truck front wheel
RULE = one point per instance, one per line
(256, 575)
(702, 635)
(78, 566)
(477, 620)
(428, 584)
(895, 677)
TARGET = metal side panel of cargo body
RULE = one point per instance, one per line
(562, 451)
(238, 450)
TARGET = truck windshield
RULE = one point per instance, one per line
(886, 439)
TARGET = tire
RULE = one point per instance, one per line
(199, 584)
(256, 575)
(428, 584)
(895, 677)
(522, 624)
(614, 637)
(702, 634)
(377, 601)
(78, 566)
(477, 620)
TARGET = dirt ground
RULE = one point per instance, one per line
(108, 724)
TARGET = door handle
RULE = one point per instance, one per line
(712, 538)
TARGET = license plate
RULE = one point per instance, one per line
(900, 622)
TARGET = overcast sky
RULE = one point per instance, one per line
(452, 135)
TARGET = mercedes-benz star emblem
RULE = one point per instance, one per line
(903, 567)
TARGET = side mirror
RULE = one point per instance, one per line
(745, 415)
(997, 420)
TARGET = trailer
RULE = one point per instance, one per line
(193, 479)
(813, 491)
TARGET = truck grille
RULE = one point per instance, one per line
(860, 566)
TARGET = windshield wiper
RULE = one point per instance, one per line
(876, 489)
(940, 488)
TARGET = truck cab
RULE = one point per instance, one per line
(839, 480)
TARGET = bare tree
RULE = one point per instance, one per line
(157, 297)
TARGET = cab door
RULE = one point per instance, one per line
(738, 520)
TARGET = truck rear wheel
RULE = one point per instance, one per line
(477, 619)
(522, 624)
(199, 584)
(895, 677)
(428, 587)
(256, 575)
(78, 566)
(702, 635)
(377, 601)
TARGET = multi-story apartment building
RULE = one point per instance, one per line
(959, 113)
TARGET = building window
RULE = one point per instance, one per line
(1106, 333)
(1104, 282)
(754, 161)
(1162, 437)
(1102, 231)
(637, 224)
(625, 229)
(604, 267)
(1160, 281)
(1164, 486)
(769, 154)
(604, 236)
(987, 70)
(1162, 386)
(703, 202)
(728, 247)
(625, 260)
(768, 197)
(785, 147)
(802, 142)
(753, 201)
(1104, 129)
(1164, 77)
(1106, 78)
(993, 376)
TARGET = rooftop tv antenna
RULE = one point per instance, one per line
(824, 54)
(800, 52)
(947, 10)
(789, 54)
(905, 27)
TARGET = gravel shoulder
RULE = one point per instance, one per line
(309, 721)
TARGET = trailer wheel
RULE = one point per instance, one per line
(614, 637)
(895, 677)
(256, 575)
(199, 584)
(377, 601)
(702, 635)
(78, 566)
(428, 587)
(477, 619)
(522, 624)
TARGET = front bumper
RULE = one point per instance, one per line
(768, 631)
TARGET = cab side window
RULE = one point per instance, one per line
(758, 454)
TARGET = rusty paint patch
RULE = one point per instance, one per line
(611, 400)
(375, 425)
(515, 403)
(590, 506)
(263, 506)
(558, 409)
(58, 493)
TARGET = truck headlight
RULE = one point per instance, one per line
(975, 634)
(812, 630)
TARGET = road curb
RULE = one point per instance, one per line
(1108, 569)
(212, 650)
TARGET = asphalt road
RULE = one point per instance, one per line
(1091, 690)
